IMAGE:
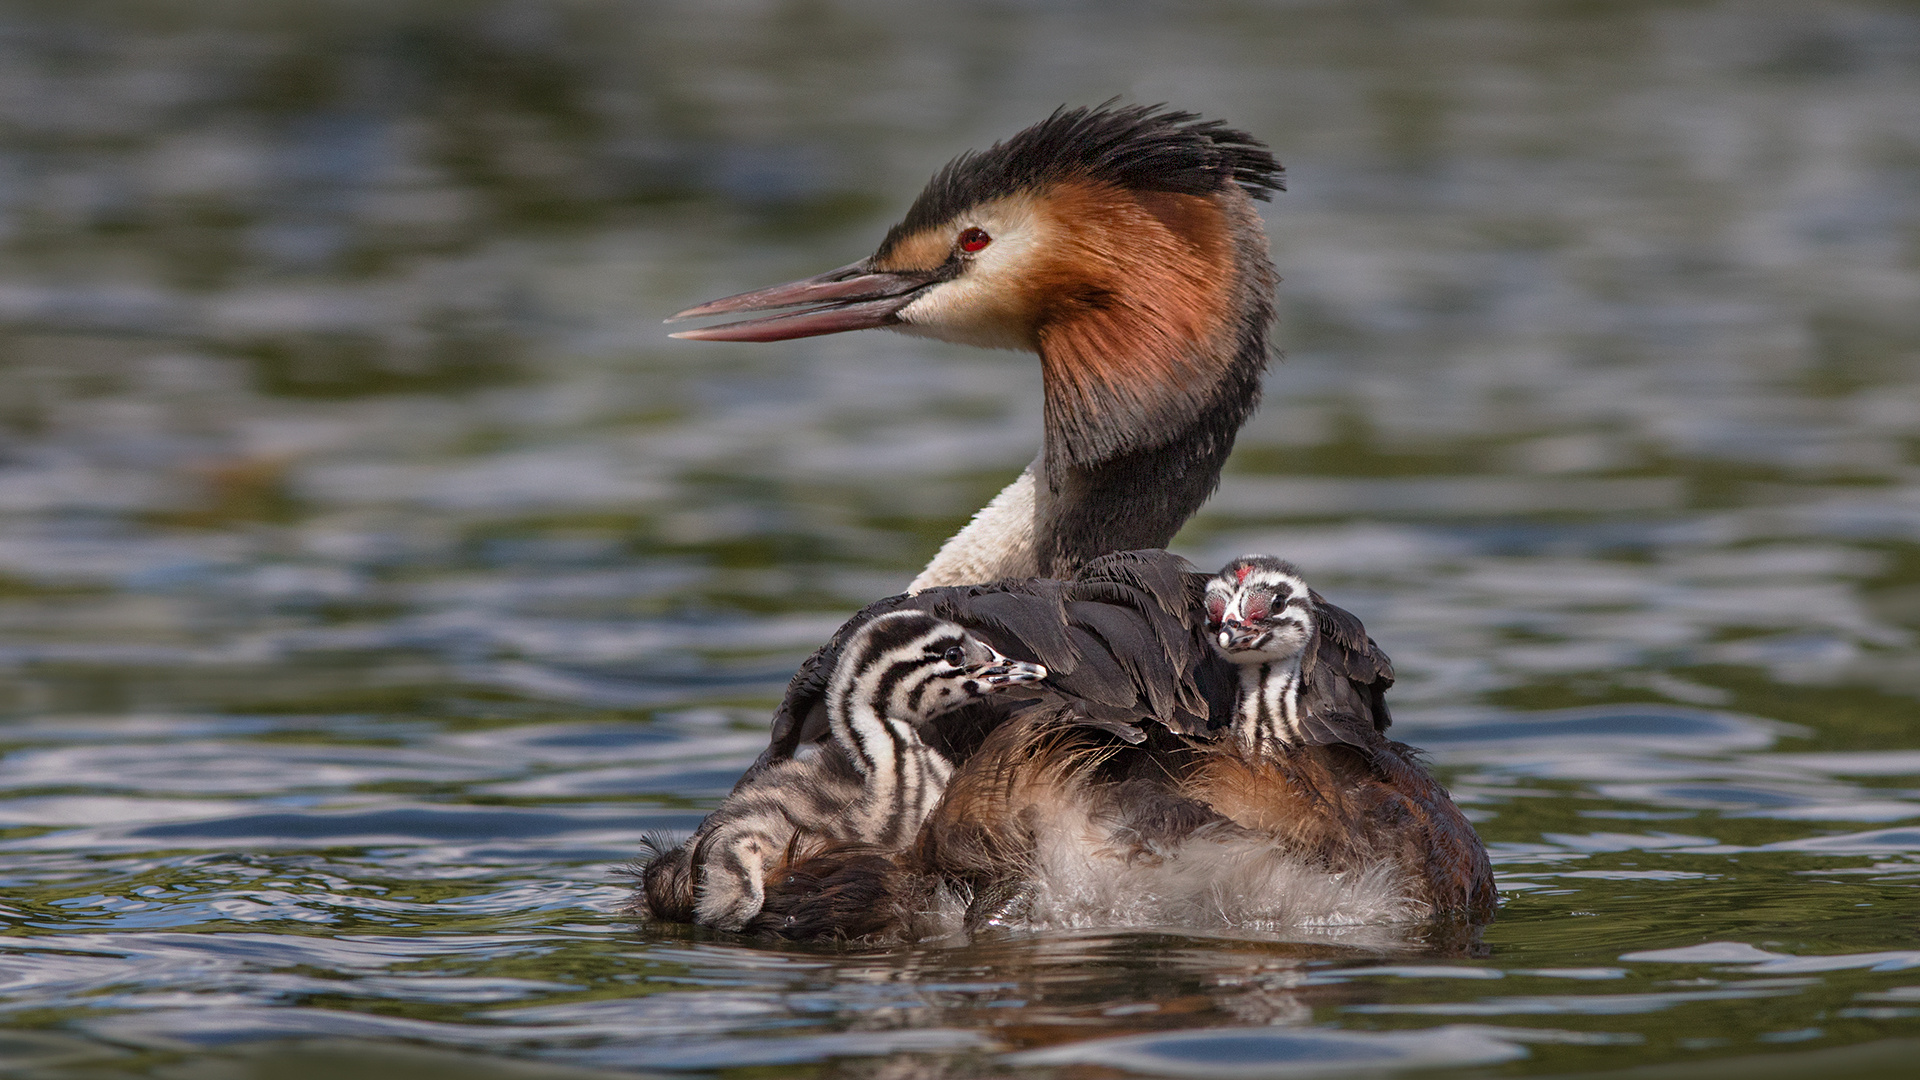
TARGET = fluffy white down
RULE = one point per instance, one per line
(1236, 880)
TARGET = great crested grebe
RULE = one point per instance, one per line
(1121, 245)
(873, 783)
(1282, 635)
(1309, 763)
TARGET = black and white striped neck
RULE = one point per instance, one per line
(888, 680)
(1267, 712)
(901, 668)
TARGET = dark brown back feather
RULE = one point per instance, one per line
(1124, 641)
(1347, 677)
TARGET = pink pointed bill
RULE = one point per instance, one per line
(850, 298)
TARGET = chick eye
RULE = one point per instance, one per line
(956, 656)
(972, 240)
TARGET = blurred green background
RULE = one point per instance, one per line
(362, 534)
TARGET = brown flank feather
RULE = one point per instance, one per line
(1348, 806)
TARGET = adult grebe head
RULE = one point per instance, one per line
(1120, 244)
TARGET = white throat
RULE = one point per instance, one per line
(1000, 541)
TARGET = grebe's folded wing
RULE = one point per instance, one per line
(1125, 641)
(1346, 680)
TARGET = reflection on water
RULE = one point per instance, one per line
(374, 574)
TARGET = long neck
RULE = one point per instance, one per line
(903, 776)
(1139, 421)
(1267, 713)
(997, 544)
(1139, 498)
(870, 738)
(1144, 398)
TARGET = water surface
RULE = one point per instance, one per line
(374, 574)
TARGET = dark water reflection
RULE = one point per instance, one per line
(374, 574)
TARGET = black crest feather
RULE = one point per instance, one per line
(1138, 147)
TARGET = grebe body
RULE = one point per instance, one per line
(1139, 784)
(1174, 766)
(1122, 643)
(1301, 813)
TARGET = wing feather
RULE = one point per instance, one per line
(1347, 677)
(1125, 638)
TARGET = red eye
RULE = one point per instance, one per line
(1216, 609)
(973, 240)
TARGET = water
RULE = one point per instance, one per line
(374, 573)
